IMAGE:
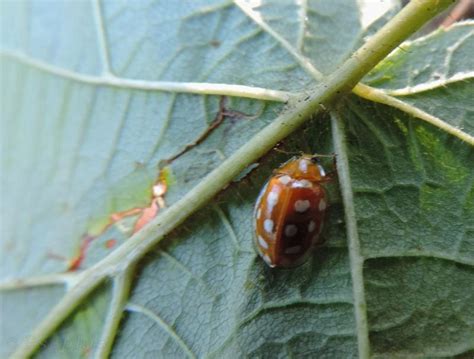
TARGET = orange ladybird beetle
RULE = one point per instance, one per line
(289, 212)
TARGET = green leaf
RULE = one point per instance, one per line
(314, 29)
(433, 73)
(98, 95)
(428, 62)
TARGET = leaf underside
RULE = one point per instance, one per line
(73, 153)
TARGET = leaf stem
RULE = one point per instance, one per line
(120, 292)
(411, 18)
(355, 257)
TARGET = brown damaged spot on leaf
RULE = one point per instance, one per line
(159, 189)
(221, 115)
(86, 352)
(110, 243)
(76, 261)
(145, 215)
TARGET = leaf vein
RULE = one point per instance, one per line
(103, 48)
(161, 323)
(303, 61)
(355, 256)
(145, 85)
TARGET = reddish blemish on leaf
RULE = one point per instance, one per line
(77, 260)
(117, 216)
(157, 202)
(110, 243)
(147, 215)
(86, 352)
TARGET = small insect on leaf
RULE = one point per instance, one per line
(289, 213)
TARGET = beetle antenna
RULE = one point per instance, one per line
(317, 155)
(288, 152)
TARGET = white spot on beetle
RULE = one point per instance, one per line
(268, 225)
(322, 172)
(293, 250)
(322, 205)
(272, 198)
(302, 184)
(302, 205)
(311, 226)
(303, 165)
(291, 230)
(262, 242)
(285, 179)
(267, 260)
(259, 213)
